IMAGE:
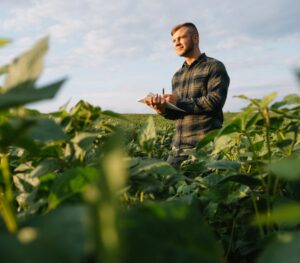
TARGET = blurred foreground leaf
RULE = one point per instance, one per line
(284, 249)
(169, 232)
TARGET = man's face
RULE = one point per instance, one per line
(183, 42)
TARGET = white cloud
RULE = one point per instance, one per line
(61, 31)
(256, 42)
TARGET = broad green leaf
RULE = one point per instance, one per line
(59, 236)
(114, 167)
(21, 95)
(207, 139)
(285, 248)
(225, 142)
(153, 166)
(147, 136)
(69, 183)
(287, 169)
(284, 143)
(212, 179)
(13, 133)
(287, 100)
(260, 103)
(85, 140)
(168, 232)
(234, 126)
(225, 165)
(47, 166)
(268, 99)
(28, 66)
(46, 130)
(242, 179)
(252, 121)
(144, 175)
(284, 214)
(148, 132)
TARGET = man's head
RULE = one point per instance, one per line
(185, 39)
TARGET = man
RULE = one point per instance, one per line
(199, 88)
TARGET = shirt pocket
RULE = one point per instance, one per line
(199, 86)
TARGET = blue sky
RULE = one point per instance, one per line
(114, 52)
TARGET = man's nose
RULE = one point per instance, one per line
(176, 43)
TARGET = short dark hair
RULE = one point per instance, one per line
(192, 28)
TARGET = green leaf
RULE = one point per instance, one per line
(287, 100)
(24, 94)
(13, 133)
(253, 120)
(169, 232)
(284, 249)
(85, 140)
(47, 166)
(225, 142)
(287, 169)
(147, 136)
(153, 166)
(225, 165)
(260, 103)
(284, 143)
(148, 132)
(233, 126)
(58, 236)
(268, 99)
(283, 214)
(28, 66)
(242, 179)
(207, 139)
(69, 183)
(46, 130)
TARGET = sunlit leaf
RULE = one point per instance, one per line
(21, 95)
(233, 126)
(284, 214)
(225, 165)
(207, 139)
(28, 66)
(73, 181)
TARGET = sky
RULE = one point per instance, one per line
(115, 52)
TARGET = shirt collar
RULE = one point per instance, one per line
(202, 57)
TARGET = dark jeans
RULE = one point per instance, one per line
(176, 161)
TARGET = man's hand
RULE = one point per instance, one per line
(170, 98)
(157, 102)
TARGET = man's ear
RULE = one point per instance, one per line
(196, 38)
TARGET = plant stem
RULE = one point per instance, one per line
(231, 240)
(6, 197)
(261, 231)
(7, 214)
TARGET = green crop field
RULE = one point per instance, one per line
(87, 185)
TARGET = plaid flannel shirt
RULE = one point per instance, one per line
(200, 90)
